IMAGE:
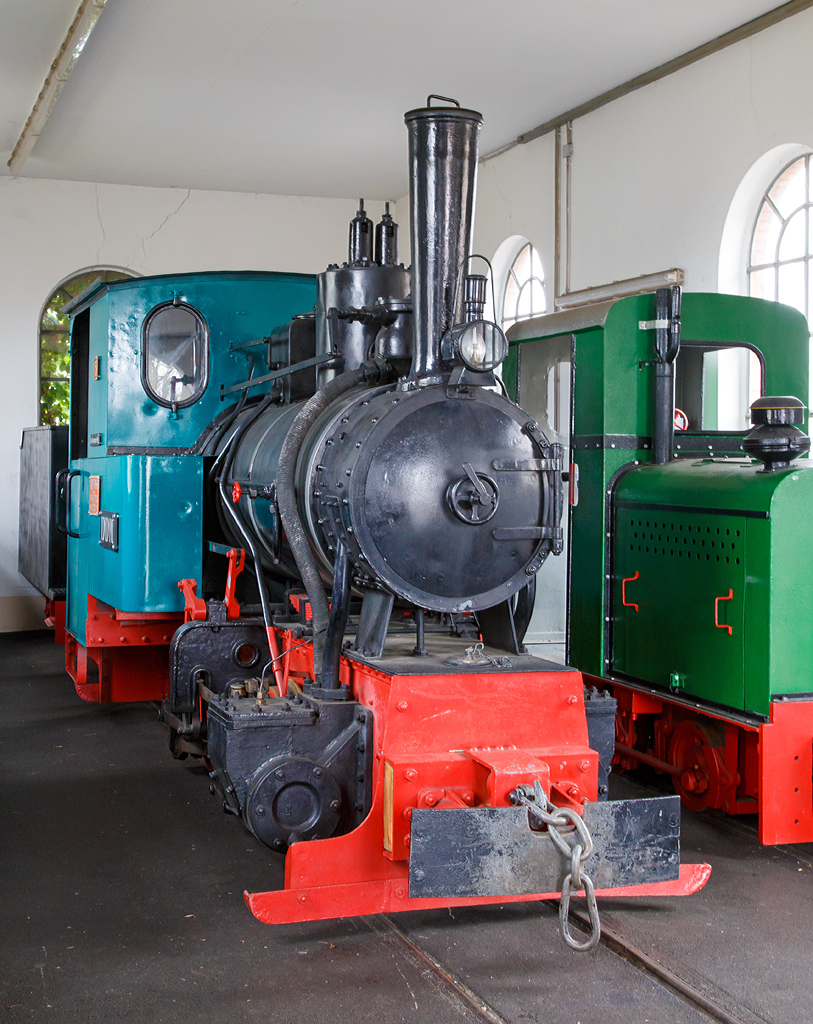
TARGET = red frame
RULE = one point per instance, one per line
(129, 649)
(449, 741)
(440, 741)
(764, 769)
(55, 618)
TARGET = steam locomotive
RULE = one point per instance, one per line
(316, 547)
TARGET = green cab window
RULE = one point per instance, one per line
(175, 355)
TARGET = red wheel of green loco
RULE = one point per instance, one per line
(697, 749)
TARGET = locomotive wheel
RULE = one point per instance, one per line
(697, 749)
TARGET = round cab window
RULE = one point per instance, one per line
(174, 367)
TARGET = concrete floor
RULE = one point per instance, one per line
(121, 899)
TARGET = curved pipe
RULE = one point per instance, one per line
(286, 494)
(245, 533)
(339, 611)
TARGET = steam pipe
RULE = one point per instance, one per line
(328, 678)
(442, 181)
(667, 346)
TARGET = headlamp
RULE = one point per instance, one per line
(480, 345)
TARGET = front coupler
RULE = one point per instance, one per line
(451, 753)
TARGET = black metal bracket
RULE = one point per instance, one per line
(498, 629)
(376, 608)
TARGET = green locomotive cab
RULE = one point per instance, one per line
(689, 585)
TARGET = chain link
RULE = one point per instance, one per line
(560, 821)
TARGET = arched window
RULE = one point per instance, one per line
(781, 255)
(525, 288)
(55, 355)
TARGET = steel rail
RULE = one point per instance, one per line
(610, 939)
(462, 994)
(663, 975)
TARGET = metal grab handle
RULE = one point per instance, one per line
(717, 623)
(62, 482)
(624, 601)
(446, 99)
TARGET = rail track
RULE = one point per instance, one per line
(712, 1004)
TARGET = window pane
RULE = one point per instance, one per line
(536, 265)
(536, 295)
(522, 264)
(714, 388)
(54, 402)
(792, 245)
(511, 296)
(733, 389)
(53, 319)
(763, 284)
(792, 285)
(524, 307)
(766, 236)
(789, 191)
(55, 341)
(174, 355)
(55, 364)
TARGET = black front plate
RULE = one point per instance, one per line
(491, 851)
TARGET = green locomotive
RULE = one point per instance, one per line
(688, 592)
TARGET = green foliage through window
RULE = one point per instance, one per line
(55, 355)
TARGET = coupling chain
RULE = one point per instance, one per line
(560, 821)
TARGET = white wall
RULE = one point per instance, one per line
(654, 173)
(51, 229)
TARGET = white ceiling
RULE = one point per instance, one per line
(305, 97)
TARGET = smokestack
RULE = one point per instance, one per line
(442, 181)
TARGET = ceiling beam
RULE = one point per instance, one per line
(64, 62)
(736, 35)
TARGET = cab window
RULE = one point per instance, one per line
(715, 385)
(175, 355)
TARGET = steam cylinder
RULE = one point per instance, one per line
(351, 287)
(385, 473)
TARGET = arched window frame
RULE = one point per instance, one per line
(524, 272)
(764, 276)
(53, 350)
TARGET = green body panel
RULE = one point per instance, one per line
(665, 633)
(159, 502)
(613, 406)
(752, 545)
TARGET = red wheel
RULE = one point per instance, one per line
(697, 749)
